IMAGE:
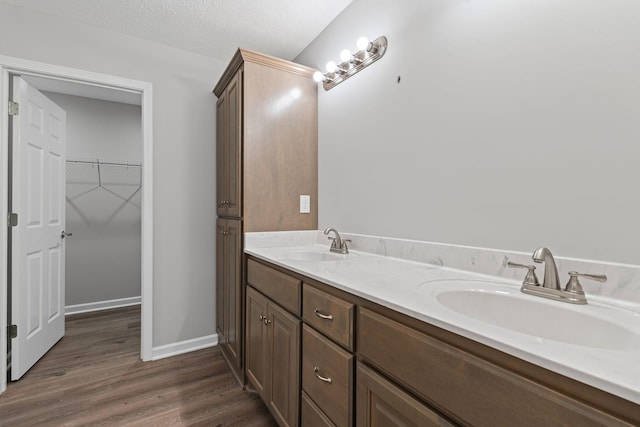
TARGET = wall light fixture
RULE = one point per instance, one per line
(368, 53)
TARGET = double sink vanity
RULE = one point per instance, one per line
(397, 332)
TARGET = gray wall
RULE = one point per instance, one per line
(103, 255)
(516, 124)
(184, 152)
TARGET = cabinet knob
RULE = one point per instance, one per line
(264, 319)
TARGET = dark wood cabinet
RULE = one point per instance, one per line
(266, 157)
(412, 373)
(228, 149)
(311, 415)
(332, 316)
(327, 376)
(273, 356)
(229, 290)
(466, 388)
(284, 364)
(327, 357)
(256, 340)
(380, 403)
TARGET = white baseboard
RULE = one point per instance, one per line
(101, 305)
(181, 347)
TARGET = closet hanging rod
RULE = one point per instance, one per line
(99, 162)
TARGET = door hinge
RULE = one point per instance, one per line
(14, 108)
(12, 331)
(12, 219)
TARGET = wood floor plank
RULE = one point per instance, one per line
(94, 377)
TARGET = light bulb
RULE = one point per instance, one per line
(362, 43)
(318, 76)
(331, 67)
(345, 55)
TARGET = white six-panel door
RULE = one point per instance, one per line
(38, 197)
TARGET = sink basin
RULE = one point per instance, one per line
(311, 255)
(595, 325)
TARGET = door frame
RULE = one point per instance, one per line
(11, 65)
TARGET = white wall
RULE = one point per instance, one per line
(184, 152)
(516, 124)
(98, 129)
(103, 255)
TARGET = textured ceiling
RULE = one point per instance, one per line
(214, 28)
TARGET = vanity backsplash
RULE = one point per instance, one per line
(623, 280)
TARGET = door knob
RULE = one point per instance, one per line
(65, 234)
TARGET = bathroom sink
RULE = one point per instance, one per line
(312, 255)
(596, 325)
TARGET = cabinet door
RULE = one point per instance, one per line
(256, 351)
(221, 154)
(233, 145)
(229, 291)
(380, 403)
(222, 292)
(233, 273)
(284, 361)
(228, 148)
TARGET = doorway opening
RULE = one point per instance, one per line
(90, 85)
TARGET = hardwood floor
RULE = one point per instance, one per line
(94, 376)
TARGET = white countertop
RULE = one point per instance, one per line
(396, 283)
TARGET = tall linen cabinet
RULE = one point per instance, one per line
(266, 158)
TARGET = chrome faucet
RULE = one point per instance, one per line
(337, 243)
(551, 280)
(550, 287)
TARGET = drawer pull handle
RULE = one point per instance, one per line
(320, 377)
(322, 315)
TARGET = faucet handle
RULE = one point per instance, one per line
(574, 286)
(530, 278)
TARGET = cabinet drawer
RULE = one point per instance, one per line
(312, 416)
(327, 376)
(283, 289)
(462, 386)
(381, 403)
(331, 315)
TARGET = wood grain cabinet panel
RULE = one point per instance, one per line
(467, 389)
(311, 415)
(266, 156)
(228, 149)
(229, 290)
(273, 356)
(327, 376)
(284, 289)
(331, 315)
(381, 403)
(256, 342)
(284, 364)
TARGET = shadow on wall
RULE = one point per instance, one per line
(100, 193)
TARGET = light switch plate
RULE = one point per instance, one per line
(305, 203)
